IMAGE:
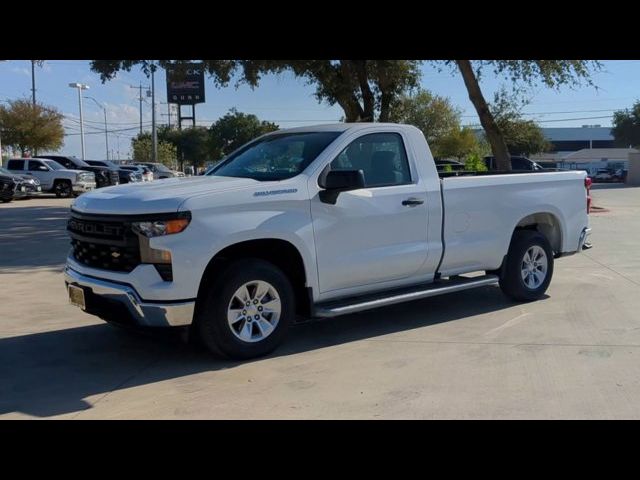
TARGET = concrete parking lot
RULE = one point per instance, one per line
(475, 354)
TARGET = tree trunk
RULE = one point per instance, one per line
(368, 100)
(385, 103)
(494, 135)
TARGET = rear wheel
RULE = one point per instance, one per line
(247, 311)
(529, 266)
(62, 188)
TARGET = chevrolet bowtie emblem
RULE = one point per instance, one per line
(115, 254)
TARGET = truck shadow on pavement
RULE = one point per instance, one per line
(53, 373)
(33, 237)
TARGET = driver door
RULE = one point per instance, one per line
(38, 169)
(375, 234)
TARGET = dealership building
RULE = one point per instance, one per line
(590, 147)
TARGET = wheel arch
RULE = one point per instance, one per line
(547, 224)
(282, 253)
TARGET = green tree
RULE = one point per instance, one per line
(434, 115)
(459, 143)
(234, 130)
(523, 137)
(192, 144)
(364, 89)
(28, 128)
(142, 146)
(626, 126)
(551, 73)
(475, 163)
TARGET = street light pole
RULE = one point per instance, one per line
(154, 132)
(106, 130)
(80, 87)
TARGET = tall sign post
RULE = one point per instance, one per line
(185, 86)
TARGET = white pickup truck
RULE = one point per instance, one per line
(315, 222)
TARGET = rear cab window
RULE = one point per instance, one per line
(16, 165)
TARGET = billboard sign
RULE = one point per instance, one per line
(185, 84)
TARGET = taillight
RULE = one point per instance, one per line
(587, 186)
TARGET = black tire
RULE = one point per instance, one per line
(211, 324)
(63, 188)
(6, 200)
(511, 280)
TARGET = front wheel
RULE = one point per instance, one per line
(63, 189)
(247, 311)
(529, 266)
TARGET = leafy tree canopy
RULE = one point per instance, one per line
(626, 126)
(142, 146)
(434, 115)
(29, 128)
(364, 89)
(234, 130)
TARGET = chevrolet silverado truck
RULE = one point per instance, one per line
(53, 177)
(315, 222)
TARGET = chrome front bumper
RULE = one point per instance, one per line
(142, 313)
(84, 186)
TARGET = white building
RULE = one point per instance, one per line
(591, 159)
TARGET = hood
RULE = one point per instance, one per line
(159, 196)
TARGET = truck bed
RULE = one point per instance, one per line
(482, 210)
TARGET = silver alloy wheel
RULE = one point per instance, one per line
(254, 311)
(534, 267)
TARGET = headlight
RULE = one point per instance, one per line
(158, 228)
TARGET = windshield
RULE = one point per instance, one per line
(4, 171)
(275, 157)
(53, 165)
(162, 168)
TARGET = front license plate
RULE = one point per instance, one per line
(23, 189)
(76, 296)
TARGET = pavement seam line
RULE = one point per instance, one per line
(507, 344)
(613, 270)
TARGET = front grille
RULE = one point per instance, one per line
(104, 242)
(87, 177)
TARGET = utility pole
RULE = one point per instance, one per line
(33, 81)
(139, 87)
(154, 133)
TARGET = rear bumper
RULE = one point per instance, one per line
(121, 303)
(583, 242)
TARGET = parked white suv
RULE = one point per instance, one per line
(54, 177)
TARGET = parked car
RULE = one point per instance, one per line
(145, 172)
(105, 176)
(28, 185)
(518, 163)
(315, 221)
(11, 186)
(603, 175)
(159, 170)
(125, 176)
(54, 177)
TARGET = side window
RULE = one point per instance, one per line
(381, 156)
(15, 165)
(37, 166)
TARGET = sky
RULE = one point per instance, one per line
(282, 99)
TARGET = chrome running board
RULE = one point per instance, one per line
(358, 304)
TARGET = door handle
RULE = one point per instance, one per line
(412, 202)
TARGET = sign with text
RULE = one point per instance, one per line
(185, 84)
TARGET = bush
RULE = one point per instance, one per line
(474, 163)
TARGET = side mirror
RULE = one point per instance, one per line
(336, 181)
